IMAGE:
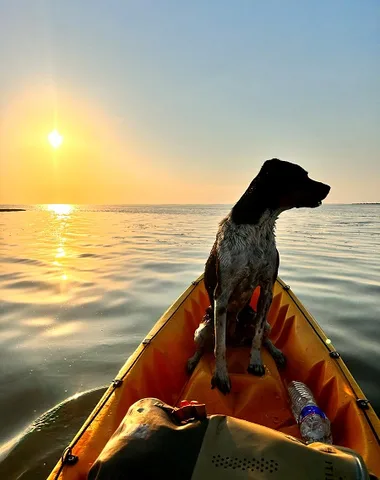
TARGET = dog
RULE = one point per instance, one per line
(245, 256)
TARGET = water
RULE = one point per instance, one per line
(81, 286)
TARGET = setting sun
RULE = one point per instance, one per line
(55, 139)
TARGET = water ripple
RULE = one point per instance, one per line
(82, 285)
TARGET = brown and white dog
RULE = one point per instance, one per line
(245, 256)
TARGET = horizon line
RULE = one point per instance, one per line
(143, 204)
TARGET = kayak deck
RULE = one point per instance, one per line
(157, 369)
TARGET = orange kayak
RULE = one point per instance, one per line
(157, 369)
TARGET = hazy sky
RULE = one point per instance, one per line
(182, 101)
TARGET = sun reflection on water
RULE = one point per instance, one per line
(60, 208)
(61, 213)
(60, 252)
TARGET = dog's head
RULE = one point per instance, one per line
(287, 185)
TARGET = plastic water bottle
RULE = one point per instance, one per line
(313, 423)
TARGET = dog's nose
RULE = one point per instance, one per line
(325, 190)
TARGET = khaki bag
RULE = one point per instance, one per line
(157, 441)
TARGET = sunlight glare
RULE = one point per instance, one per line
(60, 209)
(60, 252)
(55, 139)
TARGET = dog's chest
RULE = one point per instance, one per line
(247, 252)
(246, 245)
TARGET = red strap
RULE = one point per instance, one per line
(188, 411)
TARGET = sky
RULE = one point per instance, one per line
(182, 101)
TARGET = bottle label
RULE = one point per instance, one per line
(309, 410)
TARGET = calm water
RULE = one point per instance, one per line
(81, 286)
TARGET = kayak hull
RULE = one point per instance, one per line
(157, 369)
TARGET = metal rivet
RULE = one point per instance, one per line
(71, 459)
(116, 383)
(362, 403)
(334, 354)
(286, 287)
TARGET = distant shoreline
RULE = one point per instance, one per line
(366, 203)
(12, 210)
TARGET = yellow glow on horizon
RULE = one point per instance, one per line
(93, 165)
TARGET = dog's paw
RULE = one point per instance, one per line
(257, 369)
(221, 382)
(280, 359)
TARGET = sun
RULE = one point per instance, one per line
(55, 139)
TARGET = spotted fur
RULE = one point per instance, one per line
(245, 256)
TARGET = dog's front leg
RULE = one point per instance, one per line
(220, 378)
(203, 338)
(256, 366)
